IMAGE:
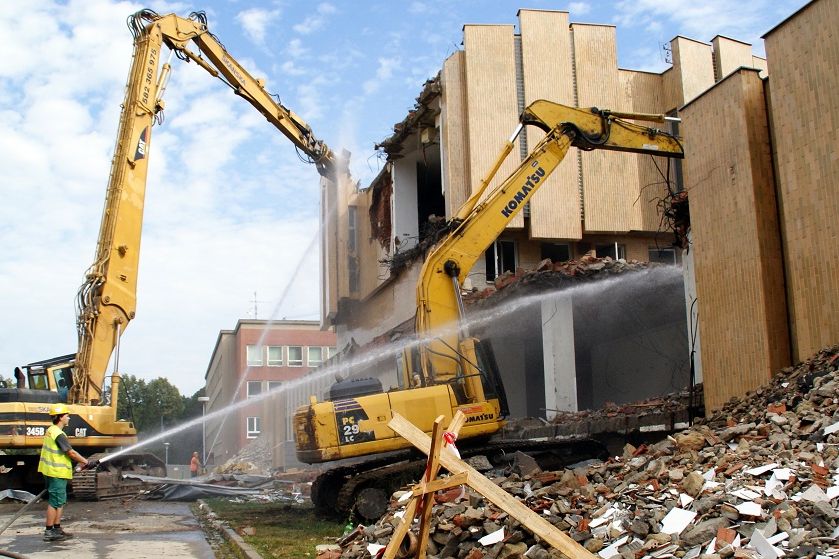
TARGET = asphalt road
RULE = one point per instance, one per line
(108, 530)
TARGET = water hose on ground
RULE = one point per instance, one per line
(23, 509)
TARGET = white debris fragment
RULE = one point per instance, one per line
(814, 494)
(762, 545)
(492, 538)
(676, 520)
(760, 470)
(612, 550)
(374, 548)
(783, 474)
(746, 494)
(749, 508)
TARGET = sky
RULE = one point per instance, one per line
(231, 213)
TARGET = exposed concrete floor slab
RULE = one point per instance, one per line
(109, 530)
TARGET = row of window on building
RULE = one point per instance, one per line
(287, 356)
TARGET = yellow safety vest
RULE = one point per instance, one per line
(54, 462)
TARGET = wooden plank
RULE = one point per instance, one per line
(506, 502)
(440, 484)
(401, 530)
(430, 473)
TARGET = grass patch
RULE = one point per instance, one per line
(282, 531)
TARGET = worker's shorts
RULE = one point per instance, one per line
(57, 491)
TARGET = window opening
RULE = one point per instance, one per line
(315, 356)
(254, 355)
(295, 356)
(254, 427)
(254, 388)
(275, 356)
(500, 258)
(557, 252)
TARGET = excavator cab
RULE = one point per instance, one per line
(48, 381)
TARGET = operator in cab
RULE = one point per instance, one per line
(57, 466)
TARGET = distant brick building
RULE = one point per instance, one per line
(247, 362)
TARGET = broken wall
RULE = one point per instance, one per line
(630, 338)
(803, 54)
(577, 347)
(736, 245)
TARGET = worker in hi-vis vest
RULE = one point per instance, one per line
(57, 467)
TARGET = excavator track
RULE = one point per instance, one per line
(363, 490)
(108, 480)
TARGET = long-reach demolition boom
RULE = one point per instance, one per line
(107, 299)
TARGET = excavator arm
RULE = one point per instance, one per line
(448, 352)
(107, 299)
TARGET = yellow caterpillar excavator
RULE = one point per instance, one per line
(107, 299)
(449, 370)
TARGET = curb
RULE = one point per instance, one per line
(229, 534)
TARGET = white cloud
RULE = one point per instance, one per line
(579, 8)
(741, 20)
(295, 48)
(215, 229)
(383, 73)
(289, 68)
(255, 22)
(317, 20)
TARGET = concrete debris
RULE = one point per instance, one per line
(739, 484)
(552, 275)
(255, 458)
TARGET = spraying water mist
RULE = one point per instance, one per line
(647, 279)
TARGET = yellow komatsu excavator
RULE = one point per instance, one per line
(107, 299)
(449, 370)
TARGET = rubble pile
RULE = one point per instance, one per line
(758, 479)
(552, 274)
(255, 458)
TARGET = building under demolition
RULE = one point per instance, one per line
(754, 242)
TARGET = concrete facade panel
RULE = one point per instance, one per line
(729, 55)
(803, 55)
(693, 62)
(736, 245)
(457, 181)
(555, 208)
(491, 101)
(608, 178)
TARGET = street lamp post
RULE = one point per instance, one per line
(203, 400)
(166, 446)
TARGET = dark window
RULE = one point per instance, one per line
(663, 255)
(557, 252)
(613, 250)
(500, 258)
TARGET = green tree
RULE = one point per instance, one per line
(153, 405)
(157, 405)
